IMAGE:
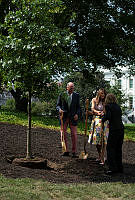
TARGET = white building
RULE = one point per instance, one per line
(127, 85)
(4, 96)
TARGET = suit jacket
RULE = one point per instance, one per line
(74, 107)
(114, 115)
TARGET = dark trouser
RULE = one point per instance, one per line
(114, 150)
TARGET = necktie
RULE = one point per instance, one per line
(69, 100)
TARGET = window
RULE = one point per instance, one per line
(130, 83)
(119, 84)
(109, 82)
(130, 102)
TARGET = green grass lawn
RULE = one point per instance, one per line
(53, 123)
(30, 189)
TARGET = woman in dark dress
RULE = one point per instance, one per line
(113, 114)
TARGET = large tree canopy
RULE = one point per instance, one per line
(105, 31)
(104, 34)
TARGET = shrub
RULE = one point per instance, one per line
(37, 108)
(44, 108)
(10, 105)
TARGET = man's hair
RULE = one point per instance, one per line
(70, 84)
(110, 98)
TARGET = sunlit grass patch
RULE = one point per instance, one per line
(53, 123)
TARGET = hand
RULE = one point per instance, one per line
(76, 117)
(90, 112)
(61, 111)
(98, 112)
(100, 121)
(102, 113)
(87, 112)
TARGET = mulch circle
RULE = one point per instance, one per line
(34, 163)
(47, 147)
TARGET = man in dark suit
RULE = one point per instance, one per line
(68, 103)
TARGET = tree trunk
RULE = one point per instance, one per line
(29, 127)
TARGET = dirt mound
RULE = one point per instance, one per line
(46, 145)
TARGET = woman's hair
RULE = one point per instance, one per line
(98, 96)
(110, 98)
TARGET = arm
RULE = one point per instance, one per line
(96, 112)
(107, 115)
(90, 112)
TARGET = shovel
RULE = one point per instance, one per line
(84, 154)
(62, 134)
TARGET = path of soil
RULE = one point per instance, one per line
(46, 144)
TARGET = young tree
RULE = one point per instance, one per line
(35, 49)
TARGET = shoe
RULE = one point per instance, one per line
(74, 155)
(101, 163)
(98, 160)
(109, 172)
(65, 154)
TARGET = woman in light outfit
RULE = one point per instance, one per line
(97, 135)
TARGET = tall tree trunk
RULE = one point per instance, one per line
(29, 127)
